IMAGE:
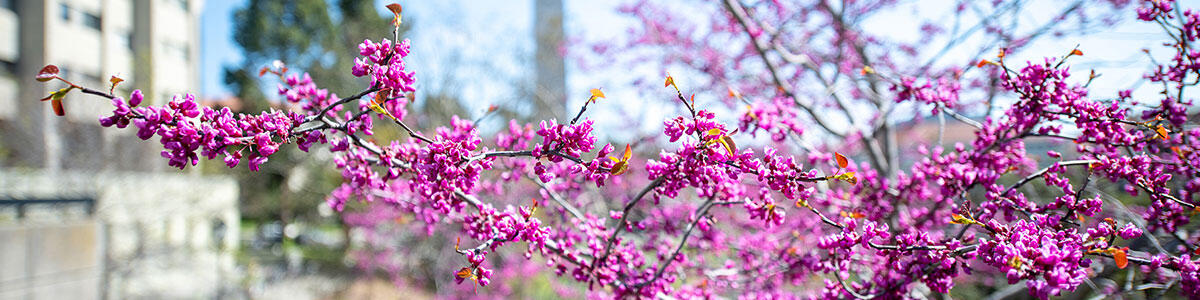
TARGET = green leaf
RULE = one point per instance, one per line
(56, 98)
(847, 177)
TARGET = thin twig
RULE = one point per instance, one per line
(666, 262)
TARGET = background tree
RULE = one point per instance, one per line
(719, 214)
(309, 35)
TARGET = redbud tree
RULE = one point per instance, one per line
(794, 186)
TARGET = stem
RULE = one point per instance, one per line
(624, 221)
(700, 213)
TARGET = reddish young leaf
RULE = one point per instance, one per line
(866, 70)
(396, 9)
(1077, 52)
(378, 102)
(670, 81)
(982, 62)
(47, 73)
(1162, 132)
(841, 160)
(56, 98)
(621, 164)
(58, 107)
(1120, 258)
(114, 80)
(464, 273)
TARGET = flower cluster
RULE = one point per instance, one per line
(301, 89)
(945, 93)
(442, 168)
(384, 62)
(1050, 261)
(568, 142)
(896, 214)
(778, 118)
(184, 127)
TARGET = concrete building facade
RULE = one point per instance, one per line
(152, 44)
(88, 212)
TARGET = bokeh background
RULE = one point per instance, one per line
(92, 213)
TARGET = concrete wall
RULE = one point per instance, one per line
(50, 261)
(149, 236)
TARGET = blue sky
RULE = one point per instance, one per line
(479, 48)
(217, 47)
(480, 30)
(475, 48)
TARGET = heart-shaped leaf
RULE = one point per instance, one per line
(49, 72)
(58, 107)
(114, 80)
(596, 94)
(1119, 256)
(396, 9)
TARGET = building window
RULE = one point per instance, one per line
(126, 40)
(10, 67)
(179, 50)
(91, 20)
(64, 12)
(183, 4)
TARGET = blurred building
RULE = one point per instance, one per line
(88, 212)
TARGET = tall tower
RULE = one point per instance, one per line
(550, 89)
